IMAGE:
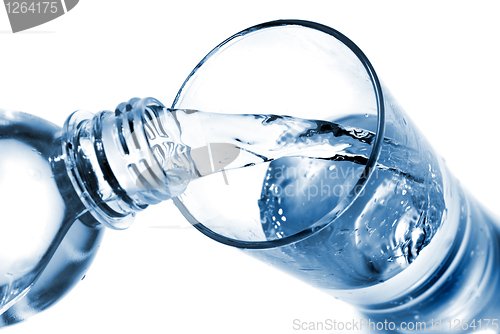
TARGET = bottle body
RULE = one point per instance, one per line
(62, 187)
(45, 248)
(66, 268)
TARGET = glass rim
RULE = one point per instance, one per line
(367, 171)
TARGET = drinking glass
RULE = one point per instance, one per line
(384, 227)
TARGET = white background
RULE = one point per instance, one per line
(440, 60)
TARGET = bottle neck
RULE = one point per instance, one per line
(123, 161)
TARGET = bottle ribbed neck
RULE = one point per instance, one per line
(116, 160)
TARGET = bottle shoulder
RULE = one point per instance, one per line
(32, 130)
